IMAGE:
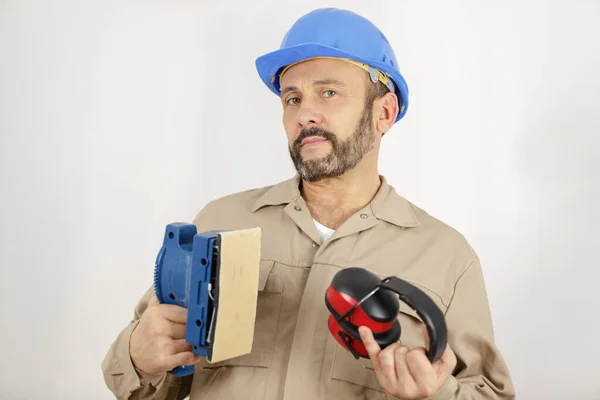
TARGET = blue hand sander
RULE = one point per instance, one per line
(214, 275)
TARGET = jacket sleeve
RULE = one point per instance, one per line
(128, 383)
(481, 372)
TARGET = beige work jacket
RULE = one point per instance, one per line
(294, 356)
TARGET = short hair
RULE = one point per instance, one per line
(376, 90)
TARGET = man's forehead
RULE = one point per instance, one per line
(322, 71)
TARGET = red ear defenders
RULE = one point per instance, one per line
(357, 297)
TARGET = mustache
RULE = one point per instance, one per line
(313, 132)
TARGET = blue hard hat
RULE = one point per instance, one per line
(332, 32)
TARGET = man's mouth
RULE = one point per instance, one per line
(312, 141)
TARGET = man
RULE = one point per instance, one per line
(341, 91)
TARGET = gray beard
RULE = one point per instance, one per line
(344, 155)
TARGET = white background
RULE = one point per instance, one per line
(118, 117)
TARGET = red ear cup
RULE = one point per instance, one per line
(345, 339)
(349, 337)
(379, 311)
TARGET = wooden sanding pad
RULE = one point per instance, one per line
(237, 294)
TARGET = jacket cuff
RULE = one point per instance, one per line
(446, 392)
(146, 379)
(120, 366)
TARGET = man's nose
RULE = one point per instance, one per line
(309, 117)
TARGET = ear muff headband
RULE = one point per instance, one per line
(429, 312)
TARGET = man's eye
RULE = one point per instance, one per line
(292, 100)
(329, 93)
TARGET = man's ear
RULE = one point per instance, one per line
(387, 111)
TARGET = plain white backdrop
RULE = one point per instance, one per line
(119, 117)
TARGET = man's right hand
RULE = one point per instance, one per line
(157, 344)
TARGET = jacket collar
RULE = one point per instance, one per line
(387, 205)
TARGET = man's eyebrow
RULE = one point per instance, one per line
(288, 89)
(328, 82)
(319, 82)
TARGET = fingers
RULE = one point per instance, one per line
(184, 358)
(373, 350)
(447, 361)
(387, 362)
(383, 360)
(170, 346)
(445, 365)
(404, 372)
(402, 366)
(173, 313)
(407, 373)
(448, 358)
(425, 376)
(180, 346)
(176, 331)
(174, 318)
(368, 340)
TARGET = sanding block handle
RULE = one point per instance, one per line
(182, 370)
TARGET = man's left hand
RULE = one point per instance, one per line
(407, 373)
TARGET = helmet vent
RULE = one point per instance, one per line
(383, 37)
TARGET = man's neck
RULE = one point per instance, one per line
(332, 201)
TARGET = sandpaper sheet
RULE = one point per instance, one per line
(238, 292)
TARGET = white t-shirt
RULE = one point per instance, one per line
(324, 232)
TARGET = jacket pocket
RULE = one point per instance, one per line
(347, 373)
(411, 324)
(268, 307)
